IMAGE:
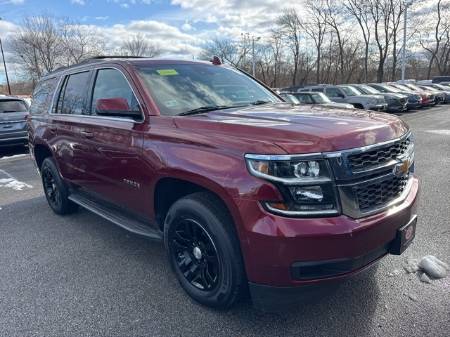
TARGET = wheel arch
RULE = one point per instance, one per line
(170, 189)
(41, 151)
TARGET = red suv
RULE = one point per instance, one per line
(247, 192)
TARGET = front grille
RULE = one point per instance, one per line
(366, 160)
(376, 195)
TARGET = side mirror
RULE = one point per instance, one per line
(117, 106)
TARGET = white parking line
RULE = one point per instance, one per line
(439, 132)
(14, 157)
(8, 181)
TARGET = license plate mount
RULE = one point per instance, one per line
(404, 237)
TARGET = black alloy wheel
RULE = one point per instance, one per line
(195, 254)
(55, 189)
(203, 250)
(51, 188)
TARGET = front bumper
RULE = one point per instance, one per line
(397, 107)
(378, 107)
(272, 245)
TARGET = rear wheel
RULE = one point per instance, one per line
(55, 189)
(204, 251)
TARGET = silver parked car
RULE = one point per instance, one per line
(347, 94)
(318, 98)
(13, 117)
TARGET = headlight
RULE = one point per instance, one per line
(305, 183)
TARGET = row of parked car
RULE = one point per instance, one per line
(390, 97)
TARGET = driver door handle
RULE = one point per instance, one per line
(87, 134)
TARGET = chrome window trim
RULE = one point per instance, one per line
(95, 69)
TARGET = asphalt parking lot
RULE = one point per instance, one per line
(82, 276)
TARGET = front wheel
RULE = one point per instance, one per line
(204, 251)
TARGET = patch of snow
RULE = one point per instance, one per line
(424, 278)
(440, 132)
(11, 182)
(14, 156)
(412, 265)
(433, 267)
(14, 184)
(395, 272)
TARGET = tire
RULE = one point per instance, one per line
(211, 273)
(55, 189)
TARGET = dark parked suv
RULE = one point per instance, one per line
(13, 126)
(248, 193)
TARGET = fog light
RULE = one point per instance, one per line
(307, 193)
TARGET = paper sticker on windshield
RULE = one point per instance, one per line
(167, 72)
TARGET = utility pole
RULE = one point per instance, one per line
(4, 65)
(405, 19)
(253, 55)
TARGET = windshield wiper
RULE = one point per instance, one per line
(260, 102)
(206, 108)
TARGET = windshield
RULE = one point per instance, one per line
(12, 106)
(439, 86)
(180, 88)
(365, 89)
(349, 91)
(413, 87)
(290, 98)
(320, 98)
(402, 87)
(393, 89)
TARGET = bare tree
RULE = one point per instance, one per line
(289, 23)
(316, 29)
(79, 42)
(434, 37)
(359, 9)
(397, 11)
(380, 11)
(231, 51)
(138, 45)
(44, 43)
(333, 18)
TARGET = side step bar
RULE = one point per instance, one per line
(116, 217)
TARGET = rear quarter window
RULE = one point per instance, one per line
(43, 95)
(12, 105)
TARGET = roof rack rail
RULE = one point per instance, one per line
(100, 57)
(95, 59)
(104, 57)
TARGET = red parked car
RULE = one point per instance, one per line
(248, 193)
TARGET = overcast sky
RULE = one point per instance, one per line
(178, 27)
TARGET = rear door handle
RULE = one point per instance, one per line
(52, 129)
(87, 134)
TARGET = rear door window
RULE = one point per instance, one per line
(306, 99)
(43, 96)
(72, 98)
(334, 92)
(12, 105)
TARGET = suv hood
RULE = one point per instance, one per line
(294, 129)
